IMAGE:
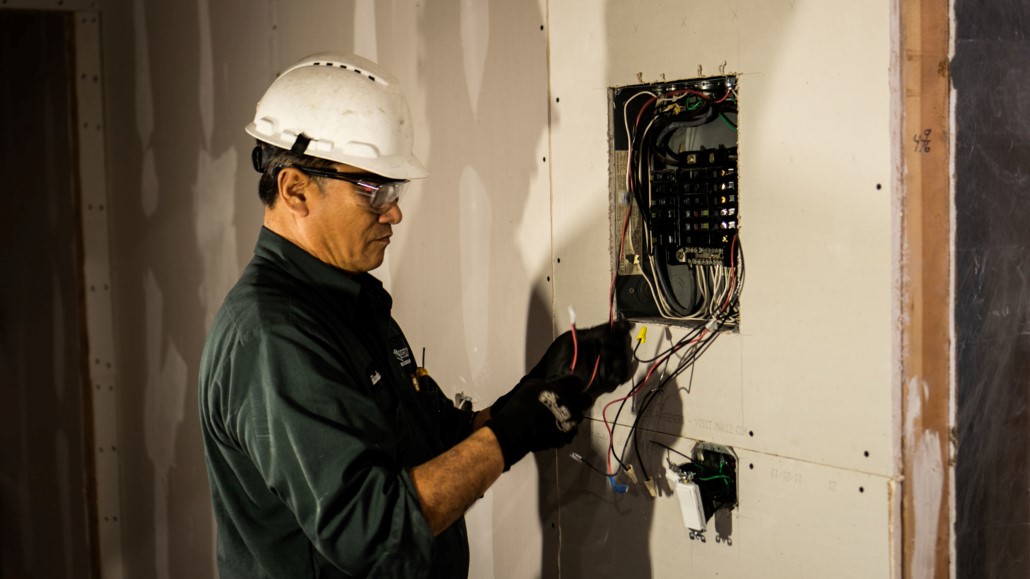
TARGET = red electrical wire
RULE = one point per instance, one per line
(575, 349)
(733, 272)
(611, 289)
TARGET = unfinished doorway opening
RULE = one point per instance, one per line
(46, 496)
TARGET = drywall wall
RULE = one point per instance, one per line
(510, 106)
(804, 391)
(990, 74)
(469, 267)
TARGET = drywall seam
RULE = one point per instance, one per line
(780, 47)
(475, 44)
(99, 321)
(365, 40)
(164, 410)
(550, 166)
(897, 187)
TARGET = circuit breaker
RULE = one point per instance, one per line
(675, 197)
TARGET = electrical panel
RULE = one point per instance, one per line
(675, 194)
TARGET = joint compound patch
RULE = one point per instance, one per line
(562, 416)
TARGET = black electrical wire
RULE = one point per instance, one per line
(634, 433)
(650, 397)
(649, 139)
(687, 361)
(671, 449)
(676, 346)
(682, 365)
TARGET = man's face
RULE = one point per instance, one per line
(341, 228)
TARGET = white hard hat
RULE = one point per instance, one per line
(344, 108)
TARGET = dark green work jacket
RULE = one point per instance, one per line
(311, 414)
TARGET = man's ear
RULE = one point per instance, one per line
(293, 185)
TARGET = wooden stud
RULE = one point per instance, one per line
(926, 290)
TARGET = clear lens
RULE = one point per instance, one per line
(386, 193)
(379, 194)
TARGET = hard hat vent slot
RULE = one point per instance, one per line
(345, 67)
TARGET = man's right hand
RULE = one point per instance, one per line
(540, 414)
(606, 345)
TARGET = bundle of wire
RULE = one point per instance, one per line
(649, 146)
(720, 308)
(690, 347)
(718, 287)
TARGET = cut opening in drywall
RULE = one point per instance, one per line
(676, 254)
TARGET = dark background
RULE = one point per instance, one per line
(991, 75)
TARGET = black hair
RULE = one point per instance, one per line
(269, 160)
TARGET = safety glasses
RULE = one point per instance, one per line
(380, 194)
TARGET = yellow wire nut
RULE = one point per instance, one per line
(420, 372)
(642, 335)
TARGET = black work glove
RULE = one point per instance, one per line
(610, 342)
(539, 415)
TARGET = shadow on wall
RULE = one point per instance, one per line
(487, 114)
(485, 101)
(590, 529)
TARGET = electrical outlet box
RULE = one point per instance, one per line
(705, 484)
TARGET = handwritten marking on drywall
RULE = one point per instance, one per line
(786, 476)
(922, 141)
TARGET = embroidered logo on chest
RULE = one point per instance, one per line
(403, 356)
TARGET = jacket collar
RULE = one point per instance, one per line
(312, 271)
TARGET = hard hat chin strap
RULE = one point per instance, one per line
(257, 160)
(300, 145)
(257, 157)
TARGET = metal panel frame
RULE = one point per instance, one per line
(97, 269)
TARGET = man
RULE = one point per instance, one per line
(329, 454)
